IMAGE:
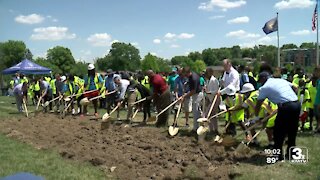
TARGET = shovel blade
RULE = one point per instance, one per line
(202, 130)
(105, 117)
(152, 119)
(173, 131)
(242, 149)
(228, 141)
(200, 120)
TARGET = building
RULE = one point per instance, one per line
(299, 57)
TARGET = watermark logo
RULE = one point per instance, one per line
(298, 155)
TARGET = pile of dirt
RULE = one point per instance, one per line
(125, 152)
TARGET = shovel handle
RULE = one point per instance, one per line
(38, 104)
(106, 94)
(256, 124)
(257, 133)
(213, 103)
(141, 100)
(165, 109)
(113, 110)
(135, 113)
(177, 115)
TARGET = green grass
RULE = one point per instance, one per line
(19, 157)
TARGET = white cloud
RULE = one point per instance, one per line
(224, 5)
(100, 39)
(29, 19)
(154, 54)
(301, 32)
(238, 20)
(157, 41)
(185, 36)
(52, 33)
(169, 36)
(216, 17)
(174, 46)
(289, 4)
(134, 44)
(114, 41)
(241, 34)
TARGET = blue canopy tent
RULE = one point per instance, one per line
(27, 67)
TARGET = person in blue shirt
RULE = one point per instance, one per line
(282, 93)
(110, 86)
(94, 81)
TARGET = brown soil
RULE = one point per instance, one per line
(127, 152)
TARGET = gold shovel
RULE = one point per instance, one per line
(105, 123)
(173, 130)
(244, 147)
(155, 118)
(48, 102)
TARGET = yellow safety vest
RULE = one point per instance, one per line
(235, 116)
(53, 86)
(252, 102)
(37, 86)
(96, 82)
(145, 82)
(270, 107)
(48, 79)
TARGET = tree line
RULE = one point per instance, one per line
(125, 56)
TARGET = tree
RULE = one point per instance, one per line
(123, 57)
(79, 69)
(195, 55)
(182, 61)
(289, 46)
(223, 53)
(164, 65)
(11, 53)
(236, 52)
(61, 57)
(306, 45)
(199, 66)
(28, 54)
(150, 62)
(45, 63)
(209, 56)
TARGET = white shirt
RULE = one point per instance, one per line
(123, 87)
(232, 78)
(17, 90)
(212, 87)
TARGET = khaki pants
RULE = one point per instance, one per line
(131, 99)
(161, 102)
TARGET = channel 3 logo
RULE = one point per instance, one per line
(298, 154)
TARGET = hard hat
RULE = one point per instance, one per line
(247, 87)
(63, 78)
(229, 90)
(90, 66)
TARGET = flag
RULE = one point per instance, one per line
(271, 26)
(314, 18)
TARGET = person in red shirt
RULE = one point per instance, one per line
(161, 96)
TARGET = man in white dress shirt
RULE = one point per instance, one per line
(230, 75)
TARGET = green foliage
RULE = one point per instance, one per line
(223, 53)
(28, 54)
(61, 57)
(164, 65)
(309, 45)
(79, 69)
(199, 66)
(236, 52)
(289, 46)
(195, 56)
(150, 62)
(43, 62)
(123, 56)
(11, 53)
(209, 57)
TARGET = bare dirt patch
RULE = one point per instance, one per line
(126, 152)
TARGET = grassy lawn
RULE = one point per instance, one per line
(17, 157)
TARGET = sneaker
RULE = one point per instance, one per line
(78, 110)
(73, 112)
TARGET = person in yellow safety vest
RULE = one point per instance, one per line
(249, 102)
(297, 77)
(36, 89)
(102, 92)
(310, 105)
(93, 82)
(30, 92)
(145, 82)
(233, 117)
(303, 98)
(11, 84)
(269, 108)
(48, 79)
(70, 88)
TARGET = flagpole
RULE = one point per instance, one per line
(278, 41)
(317, 55)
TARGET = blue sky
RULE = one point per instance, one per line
(165, 28)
